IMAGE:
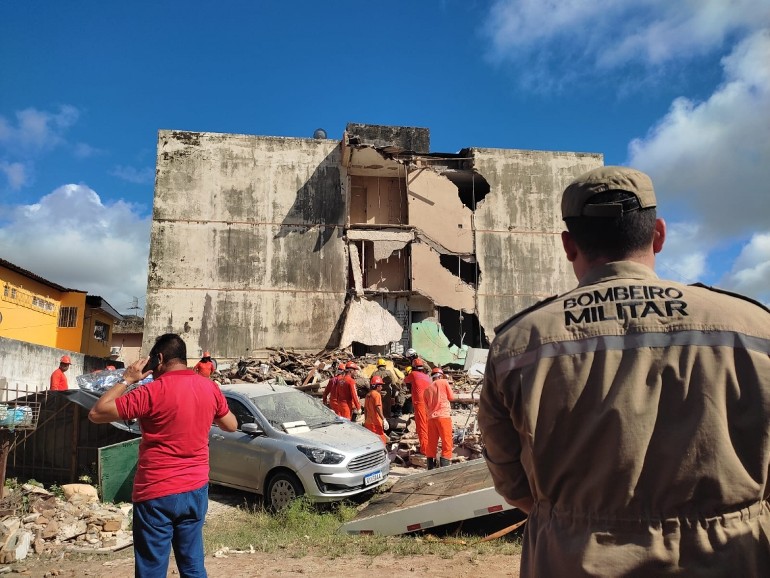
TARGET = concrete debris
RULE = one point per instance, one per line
(369, 323)
(36, 519)
(311, 373)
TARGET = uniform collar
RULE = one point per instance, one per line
(615, 270)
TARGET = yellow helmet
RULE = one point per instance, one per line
(380, 362)
(408, 370)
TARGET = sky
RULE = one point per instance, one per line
(680, 90)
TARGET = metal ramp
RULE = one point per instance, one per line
(428, 499)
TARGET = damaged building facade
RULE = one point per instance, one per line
(371, 241)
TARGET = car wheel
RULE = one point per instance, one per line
(283, 488)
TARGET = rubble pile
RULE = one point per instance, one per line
(297, 369)
(31, 517)
(311, 373)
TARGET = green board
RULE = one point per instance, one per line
(117, 466)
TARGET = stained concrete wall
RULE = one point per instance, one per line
(518, 227)
(246, 247)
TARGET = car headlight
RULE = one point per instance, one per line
(320, 456)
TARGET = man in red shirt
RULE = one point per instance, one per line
(205, 366)
(175, 412)
(58, 379)
(436, 398)
(419, 381)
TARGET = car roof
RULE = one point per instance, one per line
(256, 389)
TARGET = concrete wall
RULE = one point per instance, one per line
(28, 367)
(246, 247)
(518, 228)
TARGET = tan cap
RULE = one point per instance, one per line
(577, 194)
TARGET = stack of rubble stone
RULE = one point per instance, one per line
(35, 518)
(311, 373)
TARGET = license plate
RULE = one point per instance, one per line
(371, 478)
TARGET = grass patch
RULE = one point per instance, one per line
(302, 530)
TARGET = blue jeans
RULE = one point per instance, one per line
(171, 520)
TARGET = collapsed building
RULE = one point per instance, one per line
(371, 241)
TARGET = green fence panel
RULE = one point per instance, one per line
(117, 466)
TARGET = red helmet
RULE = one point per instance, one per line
(351, 365)
(206, 354)
(376, 380)
(65, 359)
(341, 367)
(437, 371)
(418, 363)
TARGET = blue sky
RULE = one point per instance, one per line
(678, 89)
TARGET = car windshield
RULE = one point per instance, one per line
(292, 406)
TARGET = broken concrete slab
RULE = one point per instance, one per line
(436, 209)
(369, 323)
(431, 279)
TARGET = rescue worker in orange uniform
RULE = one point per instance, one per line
(330, 391)
(205, 367)
(419, 381)
(375, 420)
(347, 395)
(58, 379)
(436, 399)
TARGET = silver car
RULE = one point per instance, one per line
(289, 444)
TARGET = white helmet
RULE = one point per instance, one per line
(411, 352)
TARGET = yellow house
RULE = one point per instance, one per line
(35, 310)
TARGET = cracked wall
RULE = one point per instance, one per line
(431, 279)
(518, 228)
(436, 209)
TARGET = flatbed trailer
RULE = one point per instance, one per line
(428, 499)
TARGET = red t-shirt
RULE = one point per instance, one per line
(59, 380)
(175, 413)
(419, 382)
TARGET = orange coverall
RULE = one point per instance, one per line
(436, 398)
(419, 382)
(58, 380)
(330, 393)
(373, 420)
(204, 368)
(347, 397)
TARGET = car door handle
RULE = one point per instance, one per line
(217, 437)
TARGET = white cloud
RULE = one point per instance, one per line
(31, 134)
(37, 130)
(684, 255)
(82, 150)
(71, 238)
(16, 173)
(557, 41)
(134, 175)
(715, 155)
(750, 274)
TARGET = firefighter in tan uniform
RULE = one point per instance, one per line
(630, 417)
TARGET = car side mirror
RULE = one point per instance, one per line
(252, 429)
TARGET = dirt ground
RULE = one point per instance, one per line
(121, 565)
